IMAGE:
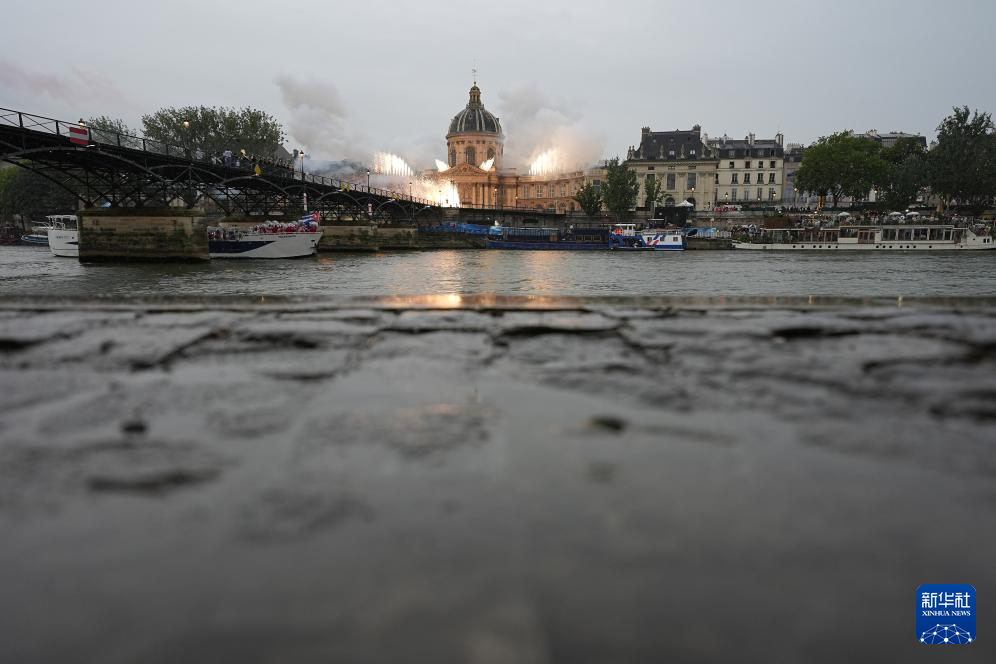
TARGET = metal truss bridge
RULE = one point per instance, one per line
(108, 169)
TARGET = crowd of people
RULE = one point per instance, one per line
(268, 227)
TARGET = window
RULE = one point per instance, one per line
(772, 165)
(670, 153)
(670, 181)
(491, 153)
(597, 184)
(771, 178)
(746, 178)
(734, 194)
(648, 185)
(771, 194)
(760, 194)
(734, 179)
(746, 194)
(717, 178)
(691, 180)
(563, 190)
(731, 164)
(452, 158)
(747, 164)
(470, 155)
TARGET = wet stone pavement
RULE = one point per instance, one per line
(528, 482)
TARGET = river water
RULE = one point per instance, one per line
(34, 271)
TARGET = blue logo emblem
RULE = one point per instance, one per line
(945, 613)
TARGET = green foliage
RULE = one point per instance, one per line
(25, 193)
(841, 164)
(905, 175)
(216, 129)
(104, 123)
(590, 199)
(963, 164)
(620, 189)
(653, 187)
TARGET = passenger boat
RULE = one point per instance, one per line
(270, 240)
(64, 235)
(625, 237)
(873, 237)
(38, 235)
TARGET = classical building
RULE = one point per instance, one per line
(791, 196)
(682, 161)
(750, 171)
(475, 146)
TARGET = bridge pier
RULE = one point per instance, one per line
(142, 235)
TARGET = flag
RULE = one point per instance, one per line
(311, 216)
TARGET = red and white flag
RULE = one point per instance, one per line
(79, 135)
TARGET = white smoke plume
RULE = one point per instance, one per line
(536, 125)
(318, 120)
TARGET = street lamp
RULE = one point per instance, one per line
(409, 190)
(368, 180)
(301, 154)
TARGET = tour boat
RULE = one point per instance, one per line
(873, 237)
(571, 239)
(64, 235)
(270, 240)
(38, 235)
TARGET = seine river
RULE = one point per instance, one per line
(34, 271)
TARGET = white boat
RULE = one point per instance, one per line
(64, 235)
(625, 237)
(263, 242)
(873, 237)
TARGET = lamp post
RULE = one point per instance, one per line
(368, 180)
(186, 137)
(301, 155)
(409, 190)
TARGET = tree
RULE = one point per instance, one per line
(105, 123)
(590, 200)
(963, 164)
(620, 189)
(30, 195)
(841, 164)
(905, 175)
(653, 187)
(216, 129)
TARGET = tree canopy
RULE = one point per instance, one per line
(24, 192)
(963, 163)
(216, 129)
(905, 174)
(590, 199)
(841, 164)
(620, 189)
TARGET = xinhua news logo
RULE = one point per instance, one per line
(945, 613)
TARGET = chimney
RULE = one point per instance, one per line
(750, 138)
(780, 139)
(644, 131)
(724, 139)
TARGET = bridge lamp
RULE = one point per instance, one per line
(368, 180)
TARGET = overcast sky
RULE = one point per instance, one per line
(347, 78)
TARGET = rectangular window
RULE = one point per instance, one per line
(691, 180)
(747, 164)
(597, 184)
(670, 181)
(746, 178)
(734, 194)
(647, 184)
(772, 165)
(760, 194)
(771, 194)
(734, 179)
(746, 194)
(731, 164)
(717, 178)
(771, 178)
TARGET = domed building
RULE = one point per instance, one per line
(475, 143)
(475, 134)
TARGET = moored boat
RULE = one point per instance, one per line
(269, 240)
(872, 237)
(64, 235)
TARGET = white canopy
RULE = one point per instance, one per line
(685, 204)
(844, 214)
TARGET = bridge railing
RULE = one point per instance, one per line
(12, 118)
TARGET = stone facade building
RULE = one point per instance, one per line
(682, 161)
(750, 172)
(475, 145)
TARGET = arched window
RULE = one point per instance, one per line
(452, 158)
(471, 155)
(491, 153)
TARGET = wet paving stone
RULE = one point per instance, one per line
(494, 481)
